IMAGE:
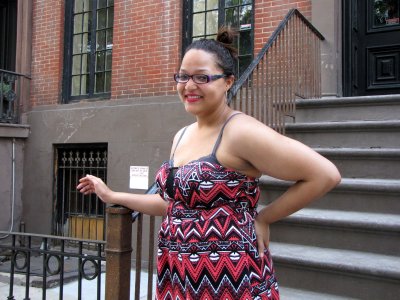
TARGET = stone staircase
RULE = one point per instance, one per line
(346, 245)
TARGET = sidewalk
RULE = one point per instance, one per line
(89, 291)
(70, 290)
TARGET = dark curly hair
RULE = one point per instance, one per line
(222, 48)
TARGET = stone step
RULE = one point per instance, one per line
(349, 134)
(368, 232)
(363, 195)
(287, 293)
(386, 107)
(364, 163)
(338, 272)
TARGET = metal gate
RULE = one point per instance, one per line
(76, 215)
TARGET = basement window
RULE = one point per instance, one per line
(77, 215)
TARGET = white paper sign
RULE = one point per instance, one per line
(139, 177)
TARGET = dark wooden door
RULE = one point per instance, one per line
(373, 41)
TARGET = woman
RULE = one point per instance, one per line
(213, 244)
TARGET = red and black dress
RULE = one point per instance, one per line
(207, 245)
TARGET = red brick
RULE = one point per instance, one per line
(147, 44)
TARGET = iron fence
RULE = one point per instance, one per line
(47, 261)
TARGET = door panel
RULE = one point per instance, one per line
(380, 44)
(383, 68)
(372, 37)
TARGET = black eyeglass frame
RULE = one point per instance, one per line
(209, 78)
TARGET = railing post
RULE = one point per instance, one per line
(118, 253)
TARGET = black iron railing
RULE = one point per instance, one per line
(10, 96)
(150, 264)
(286, 68)
(46, 261)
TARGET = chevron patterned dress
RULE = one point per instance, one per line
(207, 243)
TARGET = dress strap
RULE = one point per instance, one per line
(177, 143)
(221, 132)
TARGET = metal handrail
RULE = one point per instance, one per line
(267, 72)
(153, 189)
(15, 73)
(42, 261)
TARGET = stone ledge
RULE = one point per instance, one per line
(14, 131)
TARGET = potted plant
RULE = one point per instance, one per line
(5, 89)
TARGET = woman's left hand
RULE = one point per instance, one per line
(262, 234)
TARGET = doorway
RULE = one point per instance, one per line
(372, 47)
(8, 34)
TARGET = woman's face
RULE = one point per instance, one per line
(202, 98)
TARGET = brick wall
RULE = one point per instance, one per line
(269, 13)
(146, 45)
(47, 51)
(146, 51)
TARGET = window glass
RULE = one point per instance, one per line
(109, 39)
(199, 5)
(100, 61)
(76, 85)
(78, 23)
(110, 18)
(86, 22)
(386, 13)
(212, 4)
(231, 3)
(85, 64)
(85, 43)
(78, 6)
(198, 24)
(108, 60)
(245, 43)
(107, 81)
(84, 84)
(245, 15)
(87, 5)
(91, 45)
(101, 40)
(244, 62)
(99, 83)
(212, 22)
(102, 3)
(208, 15)
(232, 17)
(76, 65)
(77, 46)
(101, 19)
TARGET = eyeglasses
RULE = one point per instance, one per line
(197, 78)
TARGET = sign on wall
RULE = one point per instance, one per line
(139, 177)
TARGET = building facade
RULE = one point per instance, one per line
(97, 93)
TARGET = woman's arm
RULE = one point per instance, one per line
(151, 204)
(284, 158)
